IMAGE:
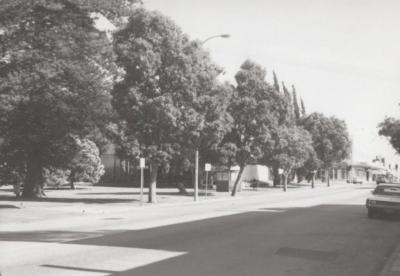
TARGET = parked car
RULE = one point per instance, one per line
(381, 179)
(355, 180)
(385, 198)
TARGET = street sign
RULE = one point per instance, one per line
(207, 167)
(142, 164)
(280, 171)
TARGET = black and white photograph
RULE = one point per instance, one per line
(199, 138)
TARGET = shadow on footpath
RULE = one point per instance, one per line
(190, 194)
(8, 206)
(68, 200)
(47, 236)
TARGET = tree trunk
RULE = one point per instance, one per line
(276, 176)
(17, 189)
(237, 181)
(71, 182)
(201, 178)
(153, 183)
(327, 177)
(285, 180)
(182, 189)
(313, 180)
(34, 181)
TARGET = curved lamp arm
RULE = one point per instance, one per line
(214, 36)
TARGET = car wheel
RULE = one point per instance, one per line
(371, 213)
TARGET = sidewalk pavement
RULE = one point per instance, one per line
(66, 209)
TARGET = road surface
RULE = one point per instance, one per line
(331, 236)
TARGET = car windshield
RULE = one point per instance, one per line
(387, 190)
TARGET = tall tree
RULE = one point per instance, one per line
(284, 113)
(216, 124)
(287, 94)
(292, 149)
(255, 111)
(276, 82)
(56, 72)
(295, 103)
(303, 108)
(330, 137)
(165, 94)
(390, 128)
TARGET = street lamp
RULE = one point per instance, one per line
(196, 171)
(215, 36)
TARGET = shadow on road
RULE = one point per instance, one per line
(388, 217)
(318, 240)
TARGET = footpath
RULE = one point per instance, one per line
(90, 207)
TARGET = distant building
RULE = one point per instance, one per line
(253, 175)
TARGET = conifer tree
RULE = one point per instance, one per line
(286, 93)
(295, 103)
(276, 82)
(303, 108)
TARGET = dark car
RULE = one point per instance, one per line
(385, 198)
(381, 179)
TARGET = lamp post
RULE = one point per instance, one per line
(215, 36)
(196, 171)
(142, 166)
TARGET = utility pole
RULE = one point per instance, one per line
(196, 177)
(207, 168)
(142, 166)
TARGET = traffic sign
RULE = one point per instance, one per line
(142, 164)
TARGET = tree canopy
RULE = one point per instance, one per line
(167, 97)
(56, 72)
(116, 10)
(390, 128)
(292, 149)
(86, 164)
(330, 138)
(257, 111)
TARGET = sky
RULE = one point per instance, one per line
(343, 56)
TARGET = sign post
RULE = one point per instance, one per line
(142, 166)
(207, 169)
(196, 177)
(283, 178)
(313, 179)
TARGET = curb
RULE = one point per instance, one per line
(394, 257)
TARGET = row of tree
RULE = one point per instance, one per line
(151, 90)
(390, 128)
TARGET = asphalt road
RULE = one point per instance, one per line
(328, 239)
